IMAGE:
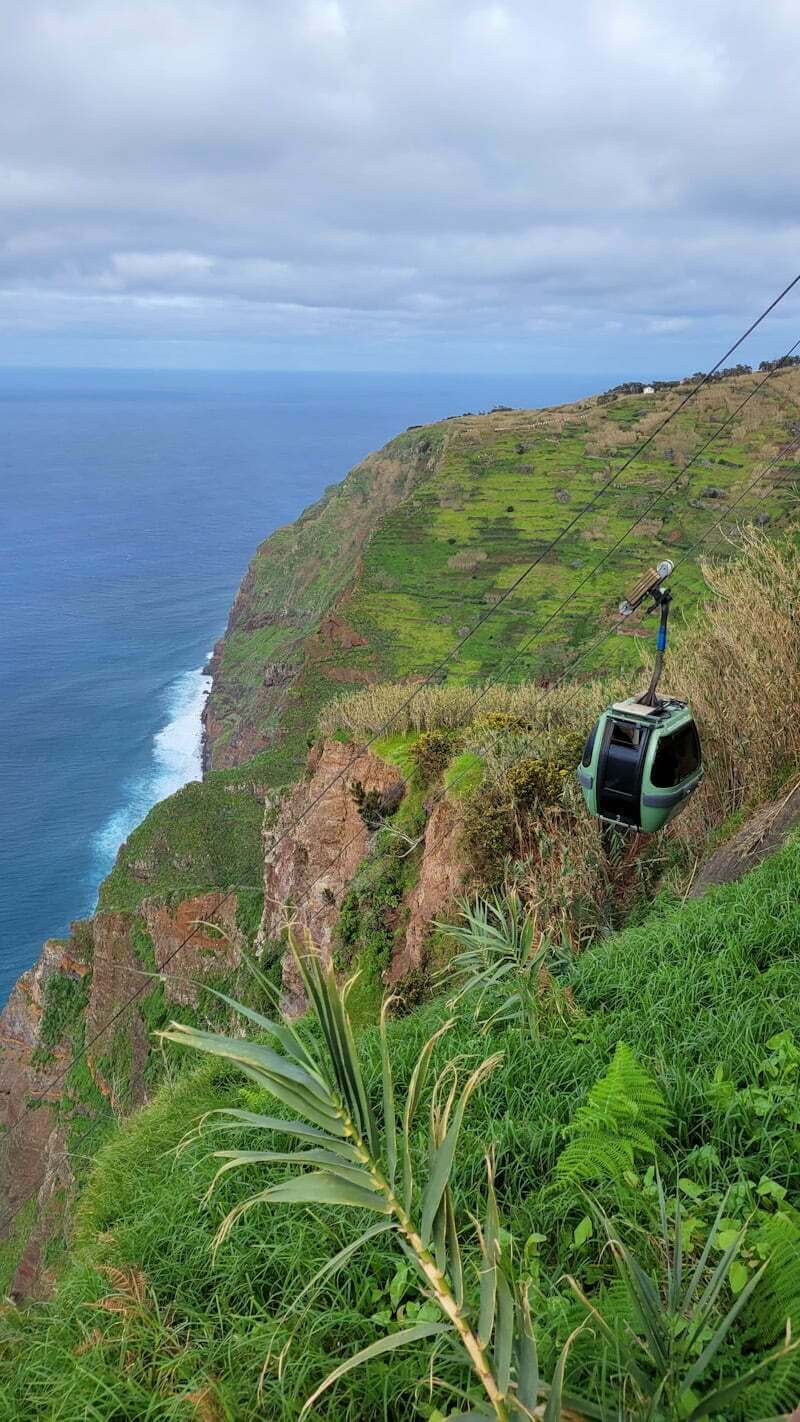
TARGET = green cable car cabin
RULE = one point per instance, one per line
(641, 763)
(643, 760)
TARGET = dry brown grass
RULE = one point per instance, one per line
(467, 560)
(366, 712)
(739, 666)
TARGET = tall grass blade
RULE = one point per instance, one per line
(555, 1397)
(490, 1250)
(416, 1087)
(699, 1270)
(527, 1356)
(233, 1119)
(714, 1288)
(322, 1188)
(712, 1347)
(454, 1262)
(645, 1296)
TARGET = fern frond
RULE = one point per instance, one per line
(776, 1394)
(778, 1300)
(595, 1156)
(622, 1117)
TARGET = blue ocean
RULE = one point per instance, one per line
(131, 504)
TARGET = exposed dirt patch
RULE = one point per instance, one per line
(335, 630)
(765, 832)
(208, 949)
(351, 676)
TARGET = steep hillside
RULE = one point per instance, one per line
(380, 580)
(283, 621)
(377, 582)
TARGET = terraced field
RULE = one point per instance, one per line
(382, 578)
(507, 484)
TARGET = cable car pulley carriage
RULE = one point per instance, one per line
(642, 760)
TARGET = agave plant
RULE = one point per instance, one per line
(501, 947)
(348, 1156)
(679, 1331)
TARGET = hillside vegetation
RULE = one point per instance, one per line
(381, 578)
(704, 995)
(591, 1077)
(668, 1052)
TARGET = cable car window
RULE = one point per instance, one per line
(586, 758)
(625, 734)
(677, 757)
(622, 769)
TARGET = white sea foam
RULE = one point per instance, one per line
(176, 760)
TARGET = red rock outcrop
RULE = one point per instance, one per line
(311, 865)
(34, 1161)
(441, 880)
(32, 1278)
(24, 1074)
(310, 861)
(209, 949)
(116, 975)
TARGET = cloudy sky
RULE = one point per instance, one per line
(397, 184)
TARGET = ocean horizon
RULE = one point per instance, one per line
(134, 501)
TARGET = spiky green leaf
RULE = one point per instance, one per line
(389, 1108)
(442, 1160)
(389, 1344)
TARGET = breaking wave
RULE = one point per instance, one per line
(176, 760)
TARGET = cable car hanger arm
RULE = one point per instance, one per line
(651, 585)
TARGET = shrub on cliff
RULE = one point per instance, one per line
(206, 836)
(433, 751)
(375, 806)
(65, 998)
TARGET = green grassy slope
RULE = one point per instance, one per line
(699, 991)
(379, 579)
(505, 487)
(207, 836)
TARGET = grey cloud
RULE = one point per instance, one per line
(364, 182)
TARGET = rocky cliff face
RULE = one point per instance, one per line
(320, 839)
(77, 994)
(32, 1153)
(308, 865)
(25, 1071)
